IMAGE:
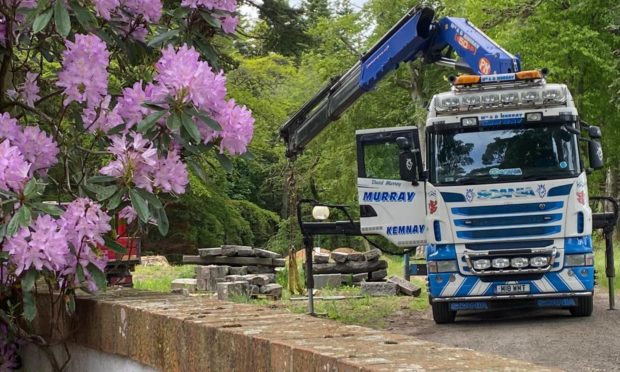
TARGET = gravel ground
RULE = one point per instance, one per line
(549, 337)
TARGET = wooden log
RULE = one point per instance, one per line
(237, 250)
(372, 254)
(265, 253)
(204, 252)
(321, 258)
(339, 257)
(356, 256)
(350, 267)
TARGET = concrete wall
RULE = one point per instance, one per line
(82, 359)
(178, 333)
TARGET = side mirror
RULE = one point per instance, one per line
(406, 160)
(594, 132)
(403, 144)
(595, 153)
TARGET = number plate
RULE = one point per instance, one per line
(512, 288)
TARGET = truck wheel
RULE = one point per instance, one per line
(584, 307)
(442, 313)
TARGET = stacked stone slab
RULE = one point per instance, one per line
(364, 269)
(237, 271)
(240, 259)
(350, 268)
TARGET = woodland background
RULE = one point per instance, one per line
(281, 58)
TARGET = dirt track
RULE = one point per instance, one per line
(549, 337)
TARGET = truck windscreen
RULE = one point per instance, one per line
(503, 154)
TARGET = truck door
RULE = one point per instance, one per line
(390, 188)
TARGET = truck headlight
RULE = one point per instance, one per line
(482, 264)
(442, 266)
(501, 263)
(519, 262)
(579, 259)
(539, 261)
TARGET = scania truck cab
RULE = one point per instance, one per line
(502, 204)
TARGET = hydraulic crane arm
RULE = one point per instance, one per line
(415, 35)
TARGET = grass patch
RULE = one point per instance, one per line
(159, 278)
(599, 263)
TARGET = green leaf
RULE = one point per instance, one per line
(23, 217)
(174, 122)
(139, 205)
(153, 106)
(4, 256)
(212, 21)
(198, 170)
(50, 209)
(224, 161)
(61, 19)
(162, 221)
(113, 245)
(106, 192)
(29, 279)
(30, 306)
(79, 271)
(84, 17)
(41, 21)
(248, 155)
(163, 37)
(190, 127)
(97, 275)
(115, 200)
(206, 118)
(150, 121)
(101, 179)
(34, 188)
(70, 303)
(152, 199)
(3, 233)
(180, 13)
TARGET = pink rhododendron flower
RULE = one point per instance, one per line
(149, 9)
(229, 24)
(9, 128)
(134, 160)
(13, 168)
(170, 174)
(37, 148)
(42, 246)
(84, 75)
(226, 5)
(105, 7)
(186, 77)
(84, 223)
(237, 128)
(128, 214)
(28, 91)
(101, 118)
(33, 144)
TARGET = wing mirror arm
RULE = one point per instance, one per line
(406, 160)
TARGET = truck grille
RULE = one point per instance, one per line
(520, 221)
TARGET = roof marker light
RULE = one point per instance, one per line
(467, 79)
(529, 75)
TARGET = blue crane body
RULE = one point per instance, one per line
(502, 205)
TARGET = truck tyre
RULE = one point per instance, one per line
(584, 307)
(442, 313)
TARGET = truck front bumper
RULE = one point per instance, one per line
(568, 282)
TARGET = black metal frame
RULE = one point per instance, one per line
(606, 221)
(310, 229)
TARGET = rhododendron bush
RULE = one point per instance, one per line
(105, 108)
